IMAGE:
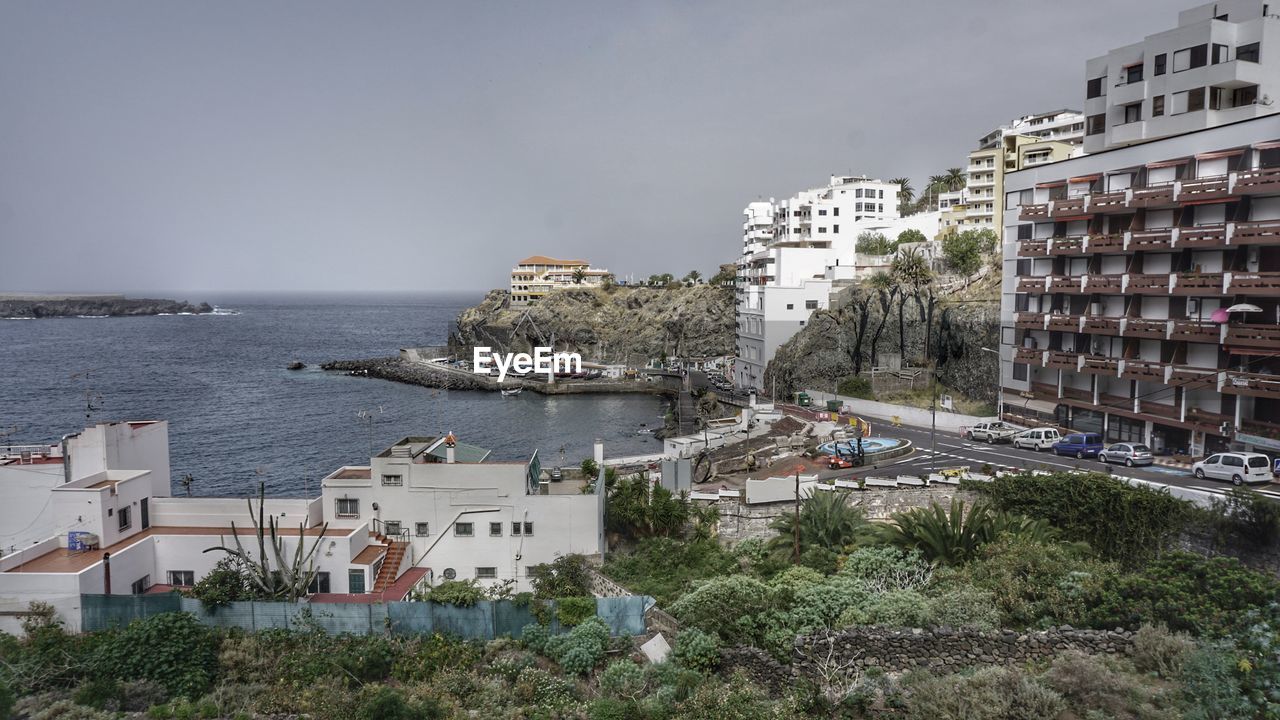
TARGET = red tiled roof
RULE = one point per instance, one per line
(544, 260)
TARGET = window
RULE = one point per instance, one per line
(810, 304)
(1096, 124)
(1192, 57)
(391, 527)
(857, 193)
(355, 582)
(880, 196)
(126, 518)
(1094, 88)
(464, 529)
(141, 585)
(1158, 64)
(836, 212)
(1157, 106)
(1233, 460)
(822, 212)
(393, 480)
(528, 528)
(1133, 113)
(1195, 99)
(486, 573)
(857, 207)
(516, 528)
(1248, 53)
(1020, 371)
(835, 229)
(1219, 53)
(881, 207)
(347, 507)
(1133, 74)
(319, 583)
(822, 231)
(495, 529)
(422, 529)
(1244, 96)
(1025, 231)
(182, 578)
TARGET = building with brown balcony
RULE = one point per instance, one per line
(1142, 292)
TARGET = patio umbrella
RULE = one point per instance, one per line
(1244, 308)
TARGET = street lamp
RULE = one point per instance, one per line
(999, 381)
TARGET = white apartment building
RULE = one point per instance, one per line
(1221, 64)
(423, 510)
(1063, 125)
(533, 277)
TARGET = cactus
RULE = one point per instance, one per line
(288, 579)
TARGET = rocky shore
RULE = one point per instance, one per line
(397, 369)
(17, 306)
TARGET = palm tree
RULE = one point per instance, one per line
(911, 271)
(955, 178)
(953, 536)
(693, 277)
(827, 521)
(906, 193)
(936, 185)
(579, 275)
(886, 289)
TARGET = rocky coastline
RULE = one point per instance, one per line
(400, 370)
(36, 307)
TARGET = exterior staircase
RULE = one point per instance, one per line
(390, 569)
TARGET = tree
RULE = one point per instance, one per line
(912, 273)
(226, 583)
(827, 522)
(964, 251)
(566, 576)
(873, 243)
(906, 193)
(579, 274)
(285, 579)
(953, 536)
(692, 277)
(638, 511)
(911, 235)
(954, 179)
(937, 183)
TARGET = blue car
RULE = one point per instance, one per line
(1079, 445)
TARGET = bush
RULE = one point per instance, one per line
(566, 576)
(857, 387)
(665, 569)
(462, 593)
(172, 649)
(964, 251)
(572, 611)
(1246, 514)
(226, 583)
(873, 243)
(1104, 686)
(100, 693)
(697, 650)
(539, 687)
(623, 680)
(7, 699)
(1211, 686)
(535, 636)
(384, 703)
(68, 710)
(422, 658)
(726, 606)
(996, 693)
(1156, 650)
(896, 608)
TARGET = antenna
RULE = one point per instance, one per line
(93, 401)
(369, 417)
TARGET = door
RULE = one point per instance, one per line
(144, 512)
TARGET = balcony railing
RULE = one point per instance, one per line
(1113, 243)
(1191, 378)
(1100, 365)
(1032, 284)
(1033, 248)
(1198, 284)
(1075, 393)
(1108, 202)
(1064, 323)
(1067, 283)
(1028, 356)
(1142, 370)
(1255, 336)
(1195, 331)
(1067, 246)
(1033, 212)
(1152, 196)
(1260, 428)
(1104, 283)
(1263, 181)
(1256, 384)
(1029, 321)
(1143, 328)
(1102, 325)
(1066, 207)
(1254, 283)
(1158, 240)
(1060, 360)
(1148, 284)
(1258, 232)
(1209, 188)
(1168, 412)
(1202, 236)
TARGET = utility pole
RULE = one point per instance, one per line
(795, 525)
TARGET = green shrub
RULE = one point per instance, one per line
(1248, 515)
(965, 607)
(566, 576)
(462, 593)
(172, 649)
(572, 611)
(697, 650)
(1211, 686)
(1105, 686)
(954, 535)
(422, 658)
(727, 606)
(623, 680)
(665, 569)
(614, 709)
(856, 387)
(1156, 650)
(228, 582)
(100, 693)
(539, 687)
(7, 699)
(534, 636)
(384, 703)
(736, 699)
(896, 608)
(992, 693)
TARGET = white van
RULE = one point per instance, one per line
(1037, 439)
(1239, 468)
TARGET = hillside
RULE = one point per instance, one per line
(16, 306)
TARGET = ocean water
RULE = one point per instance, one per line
(237, 415)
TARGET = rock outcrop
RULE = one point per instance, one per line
(93, 306)
(620, 324)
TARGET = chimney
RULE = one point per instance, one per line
(598, 452)
(106, 573)
(450, 443)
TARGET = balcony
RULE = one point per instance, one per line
(1254, 336)
(1263, 181)
(1253, 384)
(1028, 356)
(1259, 232)
(1143, 328)
(1104, 284)
(1033, 212)
(1033, 248)
(1206, 418)
(1067, 283)
(1113, 243)
(1067, 246)
(1100, 365)
(1032, 284)
(1102, 326)
(1255, 283)
(1204, 236)
(1195, 331)
(1160, 410)
(1260, 428)
(1060, 360)
(1029, 321)
(1158, 240)
(1109, 202)
(1148, 284)
(1198, 284)
(1142, 370)
(1064, 323)
(1067, 207)
(1200, 189)
(1191, 378)
(1078, 394)
(1149, 197)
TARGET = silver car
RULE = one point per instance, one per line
(1128, 453)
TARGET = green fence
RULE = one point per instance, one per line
(486, 620)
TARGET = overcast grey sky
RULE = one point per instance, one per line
(215, 146)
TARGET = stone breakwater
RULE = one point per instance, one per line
(409, 372)
(938, 649)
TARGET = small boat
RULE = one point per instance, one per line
(512, 391)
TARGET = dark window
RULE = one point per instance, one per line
(528, 528)
(515, 528)
(836, 212)
(126, 520)
(1219, 53)
(1269, 158)
(1096, 124)
(1094, 88)
(1025, 231)
(319, 584)
(810, 304)
(182, 578)
(835, 229)
(1157, 106)
(1020, 371)
(1199, 56)
(1248, 53)
(464, 529)
(1244, 96)
(355, 582)
(822, 212)
(486, 573)
(881, 195)
(1133, 113)
(347, 507)
(1159, 64)
(1195, 99)
(141, 585)
(422, 529)
(393, 480)
(1133, 74)
(791, 306)
(495, 529)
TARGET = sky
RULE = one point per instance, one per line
(427, 146)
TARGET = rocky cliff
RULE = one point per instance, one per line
(93, 305)
(620, 324)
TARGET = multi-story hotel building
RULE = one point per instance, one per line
(1141, 293)
(1063, 125)
(984, 183)
(1221, 64)
(533, 277)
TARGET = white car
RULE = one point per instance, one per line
(1239, 468)
(1037, 439)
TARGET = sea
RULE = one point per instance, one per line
(237, 416)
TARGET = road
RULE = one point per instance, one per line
(952, 450)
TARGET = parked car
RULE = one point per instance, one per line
(1239, 468)
(556, 475)
(990, 431)
(1080, 445)
(1037, 439)
(1128, 453)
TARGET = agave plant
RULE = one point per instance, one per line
(953, 536)
(283, 579)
